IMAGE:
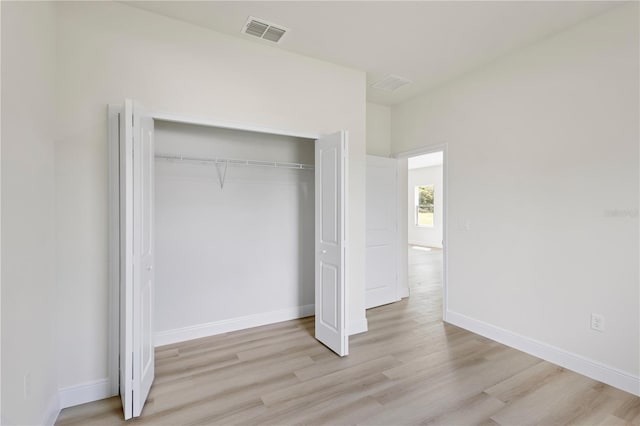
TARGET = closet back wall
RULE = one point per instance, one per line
(232, 257)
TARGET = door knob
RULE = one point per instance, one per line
(323, 251)
(149, 268)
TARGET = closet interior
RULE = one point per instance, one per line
(234, 230)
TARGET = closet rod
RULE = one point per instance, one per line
(233, 161)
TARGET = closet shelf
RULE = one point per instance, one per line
(234, 162)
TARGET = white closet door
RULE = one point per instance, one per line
(381, 285)
(330, 285)
(137, 259)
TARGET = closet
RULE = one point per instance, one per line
(234, 230)
(218, 226)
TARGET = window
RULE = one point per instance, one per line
(424, 205)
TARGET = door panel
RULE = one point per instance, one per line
(144, 365)
(329, 182)
(329, 296)
(330, 301)
(137, 257)
(126, 259)
(381, 286)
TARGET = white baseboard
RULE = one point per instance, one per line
(101, 389)
(571, 361)
(233, 324)
(359, 326)
(53, 410)
(86, 392)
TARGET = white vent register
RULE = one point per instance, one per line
(265, 30)
(391, 83)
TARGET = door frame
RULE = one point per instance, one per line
(403, 224)
(113, 141)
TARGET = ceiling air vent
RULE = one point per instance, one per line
(263, 29)
(391, 83)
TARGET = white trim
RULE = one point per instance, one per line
(113, 112)
(427, 149)
(198, 331)
(357, 327)
(52, 412)
(402, 235)
(346, 244)
(569, 360)
(445, 212)
(86, 392)
(200, 121)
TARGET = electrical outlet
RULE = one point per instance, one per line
(597, 322)
(27, 386)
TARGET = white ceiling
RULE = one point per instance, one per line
(425, 160)
(428, 42)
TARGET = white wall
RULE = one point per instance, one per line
(242, 250)
(543, 167)
(28, 212)
(378, 130)
(109, 51)
(424, 235)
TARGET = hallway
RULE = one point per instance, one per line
(425, 279)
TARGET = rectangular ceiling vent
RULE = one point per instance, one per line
(391, 83)
(265, 30)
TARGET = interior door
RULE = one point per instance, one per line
(381, 285)
(137, 258)
(330, 283)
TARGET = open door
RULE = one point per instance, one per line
(381, 278)
(330, 285)
(137, 258)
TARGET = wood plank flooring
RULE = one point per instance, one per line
(410, 368)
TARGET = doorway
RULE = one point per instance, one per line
(422, 213)
(132, 241)
(234, 227)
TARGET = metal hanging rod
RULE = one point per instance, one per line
(235, 162)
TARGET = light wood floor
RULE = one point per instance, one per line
(410, 368)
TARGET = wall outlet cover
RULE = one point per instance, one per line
(597, 322)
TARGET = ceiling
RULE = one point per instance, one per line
(428, 42)
(425, 160)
